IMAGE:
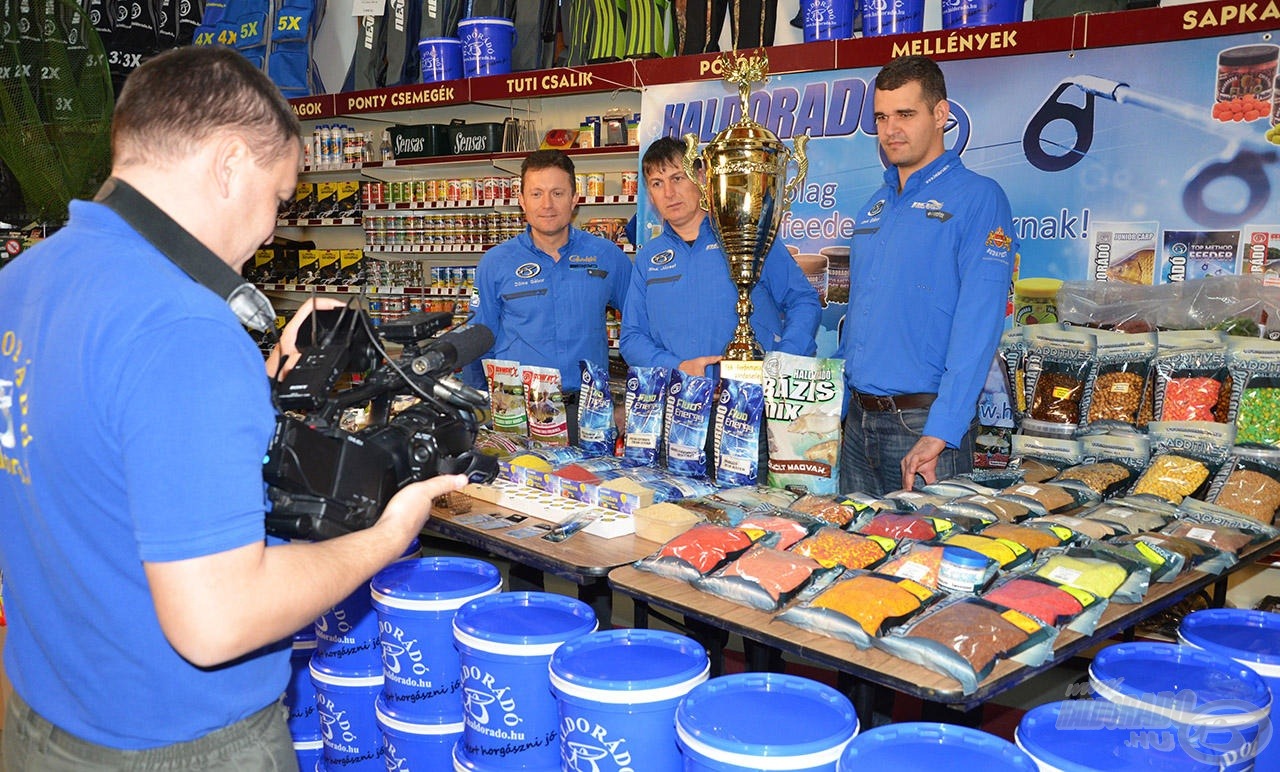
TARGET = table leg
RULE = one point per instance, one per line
(522, 578)
(1219, 599)
(944, 714)
(640, 614)
(862, 694)
(599, 597)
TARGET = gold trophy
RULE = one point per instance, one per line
(746, 166)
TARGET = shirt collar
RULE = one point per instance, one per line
(924, 175)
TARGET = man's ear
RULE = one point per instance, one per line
(230, 153)
(941, 111)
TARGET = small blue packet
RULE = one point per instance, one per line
(739, 413)
(690, 399)
(597, 433)
(646, 387)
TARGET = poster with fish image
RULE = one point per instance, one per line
(803, 398)
(544, 403)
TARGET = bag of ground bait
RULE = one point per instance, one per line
(758, 498)
(1065, 360)
(506, 396)
(989, 481)
(1126, 517)
(1255, 373)
(1113, 396)
(1192, 385)
(597, 432)
(1034, 537)
(1111, 463)
(859, 606)
(1051, 603)
(690, 399)
(1040, 459)
(1049, 498)
(1227, 531)
(1099, 478)
(913, 501)
(833, 547)
(737, 431)
(901, 526)
(1008, 554)
(1084, 529)
(1166, 564)
(763, 577)
(827, 509)
(673, 487)
(987, 509)
(964, 637)
(1249, 484)
(1106, 575)
(776, 530)
(1194, 554)
(544, 404)
(646, 387)
(803, 397)
(921, 563)
(1184, 458)
(955, 488)
(697, 552)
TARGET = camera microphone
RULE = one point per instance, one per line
(452, 350)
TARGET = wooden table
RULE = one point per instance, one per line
(583, 558)
(879, 669)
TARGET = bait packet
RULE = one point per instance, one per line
(506, 396)
(737, 431)
(597, 432)
(690, 399)
(644, 408)
(544, 404)
(803, 400)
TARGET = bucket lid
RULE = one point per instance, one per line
(337, 676)
(629, 666)
(521, 623)
(439, 41)
(1182, 683)
(766, 721)
(395, 718)
(433, 584)
(471, 20)
(1099, 736)
(308, 744)
(1249, 637)
(925, 747)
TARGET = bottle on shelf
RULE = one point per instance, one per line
(385, 148)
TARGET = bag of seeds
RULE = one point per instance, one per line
(1249, 484)
(1062, 361)
(964, 637)
(646, 387)
(1112, 463)
(1108, 305)
(1192, 385)
(1184, 458)
(1113, 396)
(506, 396)
(1255, 372)
(690, 399)
(859, 606)
(831, 510)
(832, 547)
(1049, 602)
(920, 562)
(803, 398)
(597, 432)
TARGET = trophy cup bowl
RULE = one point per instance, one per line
(746, 194)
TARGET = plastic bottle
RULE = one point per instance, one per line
(317, 148)
(385, 149)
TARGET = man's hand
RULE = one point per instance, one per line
(922, 460)
(698, 365)
(410, 508)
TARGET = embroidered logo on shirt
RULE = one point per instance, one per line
(582, 259)
(663, 257)
(475, 300)
(999, 240)
(875, 210)
(931, 205)
(938, 214)
(528, 270)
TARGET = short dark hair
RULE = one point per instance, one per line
(182, 97)
(920, 69)
(664, 151)
(549, 159)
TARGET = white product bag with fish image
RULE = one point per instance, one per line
(506, 396)
(803, 398)
(544, 402)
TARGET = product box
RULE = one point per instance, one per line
(347, 199)
(304, 201)
(327, 272)
(420, 141)
(1188, 255)
(350, 263)
(465, 138)
(308, 266)
(1124, 251)
(326, 199)
(1260, 253)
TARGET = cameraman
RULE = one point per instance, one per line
(148, 619)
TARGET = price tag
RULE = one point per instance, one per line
(368, 7)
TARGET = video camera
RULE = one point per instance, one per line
(324, 481)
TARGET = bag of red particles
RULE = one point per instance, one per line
(1051, 603)
(763, 577)
(1193, 385)
(697, 552)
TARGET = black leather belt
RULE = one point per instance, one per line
(885, 403)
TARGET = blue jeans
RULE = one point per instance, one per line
(259, 743)
(875, 442)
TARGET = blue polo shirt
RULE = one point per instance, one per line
(549, 313)
(682, 302)
(929, 272)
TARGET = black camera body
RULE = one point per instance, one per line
(324, 481)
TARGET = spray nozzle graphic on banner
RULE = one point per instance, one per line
(1244, 159)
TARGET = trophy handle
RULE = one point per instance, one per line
(802, 170)
(690, 158)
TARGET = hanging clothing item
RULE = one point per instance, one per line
(752, 24)
(369, 62)
(648, 29)
(535, 35)
(595, 31)
(291, 65)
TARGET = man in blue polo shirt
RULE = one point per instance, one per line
(929, 270)
(544, 292)
(681, 308)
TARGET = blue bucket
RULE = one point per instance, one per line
(1100, 736)
(958, 14)
(764, 721)
(1215, 710)
(441, 59)
(415, 601)
(828, 19)
(505, 643)
(310, 753)
(410, 743)
(352, 740)
(347, 635)
(1251, 638)
(892, 17)
(486, 45)
(617, 692)
(928, 747)
(300, 692)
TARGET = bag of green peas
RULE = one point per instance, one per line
(1255, 375)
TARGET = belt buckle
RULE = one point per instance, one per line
(885, 403)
